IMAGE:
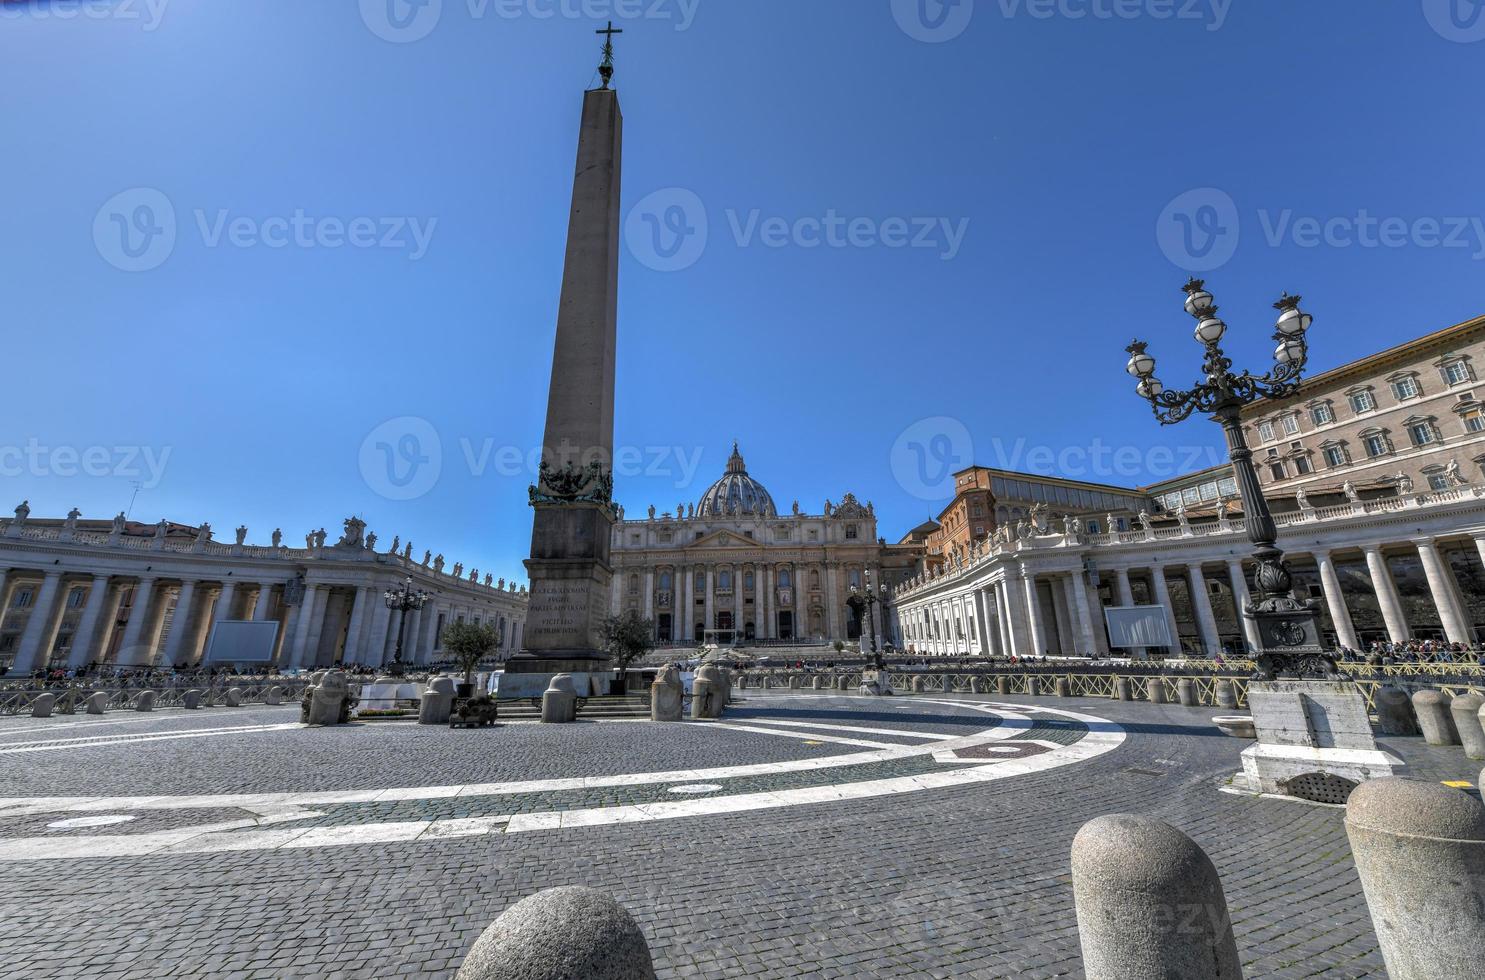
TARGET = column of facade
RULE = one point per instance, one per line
(1002, 619)
(1035, 633)
(5, 583)
(649, 597)
(428, 633)
(709, 621)
(982, 622)
(37, 638)
(1335, 601)
(1162, 596)
(1082, 610)
(766, 628)
(737, 600)
(1201, 602)
(394, 631)
(131, 652)
(1445, 593)
(1126, 598)
(801, 601)
(180, 627)
(1240, 600)
(305, 633)
(832, 611)
(83, 638)
(223, 608)
(687, 627)
(355, 636)
(1015, 602)
(377, 618)
(262, 602)
(1387, 597)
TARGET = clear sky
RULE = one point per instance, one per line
(287, 262)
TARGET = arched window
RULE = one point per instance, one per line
(665, 581)
(701, 581)
(633, 584)
(748, 580)
(784, 579)
(724, 580)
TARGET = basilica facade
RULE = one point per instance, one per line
(731, 568)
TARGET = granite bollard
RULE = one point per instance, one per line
(843, 683)
(917, 684)
(1155, 690)
(819, 683)
(191, 699)
(1033, 685)
(569, 933)
(1465, 710)
(1434, 717)
(1062, 687)
(667, 695)
(329, 695)
(559, 701)
(977, 684)
(1003, 684)
(436, 706)
(1123, 689)
(1186, 692)
(97, 703)
(1225, 694)
(1395, 714)
(145, 701)
(1419, 849)
(1149, 903)
(233, 697)
(706, 694)
(42, 706)
(274, 695)
(793, 682)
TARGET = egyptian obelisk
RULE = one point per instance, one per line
(573, 497)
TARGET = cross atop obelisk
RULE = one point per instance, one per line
(607, 68)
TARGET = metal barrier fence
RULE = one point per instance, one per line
(71, 700)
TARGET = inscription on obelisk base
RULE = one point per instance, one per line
(573, 496)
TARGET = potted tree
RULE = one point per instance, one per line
(627, 637)
(468, 644)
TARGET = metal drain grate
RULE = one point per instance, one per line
(1319, 787)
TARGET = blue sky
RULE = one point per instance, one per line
(929, 233)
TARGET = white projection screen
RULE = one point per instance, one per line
(241, 642)
(1138, 626)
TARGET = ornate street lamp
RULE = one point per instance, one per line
(865, 595)
(1288, 628)
(404, 600)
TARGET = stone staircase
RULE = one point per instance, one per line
(629, 707)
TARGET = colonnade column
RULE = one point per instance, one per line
(770, 629)
(1083, 612)
(412, 648)
(1034, 630)
(649, 585)
(303, 654)
(262, 602)
(709, 600)
(1201, 602)
(737, 601)
(180, 625)
(832, 612)
(1126, 598)
(1335, 601)
(982, 622)
(1240, 599)
(355, 641)
(686, 630)
(87, 628)
(1445, 594)
(225, 598)
(36, 640)
(1162, 596)
(1386, 589)
(131, 654)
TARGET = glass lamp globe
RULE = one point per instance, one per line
(1293, 323)
(1290, 351)
(1210, 330)
(1198, 302)
(1140, 366)
(1150, 387)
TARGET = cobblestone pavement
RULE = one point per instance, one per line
(959, 880)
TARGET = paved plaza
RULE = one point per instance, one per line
(803, 835)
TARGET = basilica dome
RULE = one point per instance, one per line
(736, 493)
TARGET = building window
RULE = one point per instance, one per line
(748, 580)
(1436, 477)
(1321, 414)
(855, 578)
(701, 581)
(1474, 420)
(1422, 433)
(1362, 402)
(23, 598)
(664, 581)
(851, 532)
(634, 539)
(75, 598)
(1291, 424)
(633, 584)
(784, 578)
(1405, 388)
(1265, 431)
(1302, 465)
(1276, 471)
(1376, 445)
(1335, 456)
(1456, 372)
(724, 580)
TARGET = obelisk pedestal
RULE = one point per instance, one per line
(573, 497)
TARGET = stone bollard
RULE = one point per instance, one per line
(1465, 710)
(793, 682)
(325, 704)
(1419, 849)
(1123, 689)
(559, 701)
(191, 699)
(437, 704)
(42, 706)
(1395, 714)
(1435, 718)
(1149, 903)
(1225, 694)
(819, 682)
(1062, 687)
(977, 685)
(1186, 692)
(742, 682)
(1155, 690)
(1033, 686)
(706, 694)
(666, 695)
(561, 934)
(917, 684)
(1003, 684)
(274, 695)
(145, 701)
(843, 683)
(233, 697)
(97, 703)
